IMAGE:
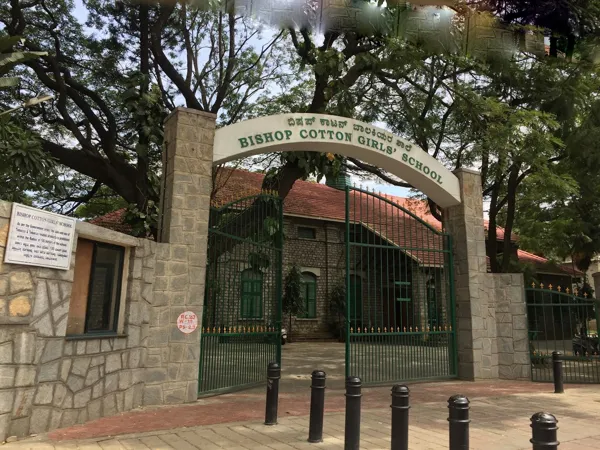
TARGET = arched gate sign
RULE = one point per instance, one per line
(342, 136)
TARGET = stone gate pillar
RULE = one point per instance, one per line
(465, 223)
(179, 276)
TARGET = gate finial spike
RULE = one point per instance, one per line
(558, 288)
(550, 286)
(533, 284)
(567, 290)
(405, 329)
(541, 285)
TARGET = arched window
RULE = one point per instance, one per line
(309, 296)
(252, 287)
(355, 297)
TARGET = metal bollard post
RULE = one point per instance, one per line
(543, 431)
(458, 419)
(273, 376)
(557, 372)
(317, 406)
(400, 406)
(353, 398)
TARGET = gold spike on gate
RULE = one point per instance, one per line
(585, 295)
(558, 288)
(541, 285)
(405, 329)
(398, 330)
(533, 285)
(378, 330)
(576, 291)
(410, 329)
(450, 328)
(567, 290)
(372, 330)
(550, 286)
(428, 328)
(351, 330)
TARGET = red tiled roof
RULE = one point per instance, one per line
(114, 221)
(318, 201)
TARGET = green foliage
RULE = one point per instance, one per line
(142, 221)
(23, 164)
(292, 293)
(9, 59)
(337, 308)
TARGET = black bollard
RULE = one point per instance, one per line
(273, 376)
(400, 406)
(317, 406)
(543, 431)
(557, 372)
(458, 419)
(353, 397)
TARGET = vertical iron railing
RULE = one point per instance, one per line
(241, 323)
(565, 321)
(400, 326)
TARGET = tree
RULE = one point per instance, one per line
(291, 302)
(132, 60)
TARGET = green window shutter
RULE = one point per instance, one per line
(251, 295)
(309, 296)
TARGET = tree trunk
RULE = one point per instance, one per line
(492, 236)
(511, 195)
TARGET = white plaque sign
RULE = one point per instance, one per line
(39, 238)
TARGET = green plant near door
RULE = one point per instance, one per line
(291, 302)
(337, 307)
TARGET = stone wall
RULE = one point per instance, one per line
(510, 309)
(48, 380)
(491, 315)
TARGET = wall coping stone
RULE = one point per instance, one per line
(189, 111)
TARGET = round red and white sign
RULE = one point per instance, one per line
(187, 322)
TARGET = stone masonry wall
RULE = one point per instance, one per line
(179, 273)
(47, 380)
(490, 308)
(512, 341)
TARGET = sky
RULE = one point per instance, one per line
(81, 14)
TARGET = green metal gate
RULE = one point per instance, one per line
(400, 293)
(241, 323)
(566, 321)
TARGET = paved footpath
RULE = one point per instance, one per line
(500, 413)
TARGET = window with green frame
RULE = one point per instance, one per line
(309, 296)
(355, 297)
(252, 288)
